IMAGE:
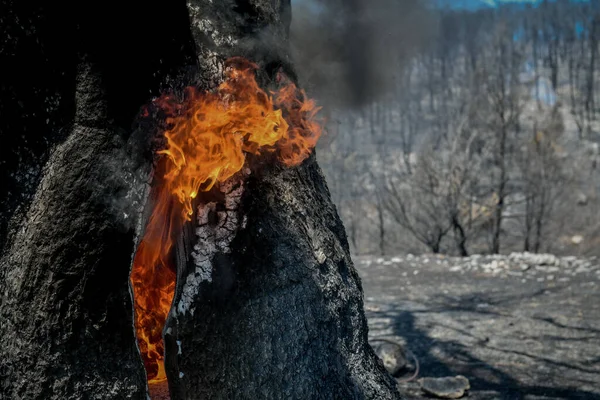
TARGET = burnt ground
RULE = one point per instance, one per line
(518, 327)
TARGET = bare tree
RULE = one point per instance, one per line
(508, 67)
(501, 118)
(543, 177)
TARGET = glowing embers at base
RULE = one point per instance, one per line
(208, 136)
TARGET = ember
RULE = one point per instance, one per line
(208, 138)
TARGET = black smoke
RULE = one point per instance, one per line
(350, 52)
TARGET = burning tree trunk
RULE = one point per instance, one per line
(266, 300)
(277, 309)
(73, 192)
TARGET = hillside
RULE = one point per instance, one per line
(482, 137)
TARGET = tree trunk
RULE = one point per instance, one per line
(66, 309)
(528, 218)
(381, 224)
(267, 302)
(589, 100)
(539, 221)
(460, 236)
(501, 184)
(78, 183)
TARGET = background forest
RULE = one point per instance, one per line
(458, 128)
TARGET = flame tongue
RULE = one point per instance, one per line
(208, 138)
(153, 280)
(211, 132)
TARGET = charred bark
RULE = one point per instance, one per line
(278, 310)
(66, 310)
(268, 303)
(75, 186)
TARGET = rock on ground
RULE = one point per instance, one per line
(392, 355)
(451, 387)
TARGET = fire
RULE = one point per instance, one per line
(207, 140)
(153, 281)
(212, 132)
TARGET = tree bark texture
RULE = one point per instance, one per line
(267, 303)
(66, 306)
(74, 182)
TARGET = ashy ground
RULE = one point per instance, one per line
(518, 327)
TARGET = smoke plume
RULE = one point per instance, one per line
(350, 52)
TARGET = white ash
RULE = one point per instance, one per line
(213, 237)
(320, 255)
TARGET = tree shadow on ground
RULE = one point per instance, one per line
(439, 357)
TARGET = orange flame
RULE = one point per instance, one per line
(153, 281)
(208, 138)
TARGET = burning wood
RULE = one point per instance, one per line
(208, 138)
(250, 268)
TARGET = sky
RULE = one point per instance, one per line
(475, 4)
(493, 3)
(470, 4)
